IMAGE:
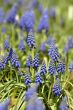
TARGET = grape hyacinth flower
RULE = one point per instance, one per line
(10, 54)
(35, 103)
(61, 67)
(29, 61)
(70, 42)
(36, 61)
(30, 40)
(10, 17)
(19, 2)
(5, 60)
(6, 43)
(63, 104)
(2, 15)
(56, 88)
(21, 45)
(31, 90)
(38, 79)
(46, 12)
(27, 79)
(52, 68)
(27, 20)
(53, 53)
(71, 67)
(66, 48)
(51, 40)
(14, 60)
(4, 105)
(43, 22)
(43, 69)
(43, 47)
(3, 30)
(40, 8)
(34, 3)
(17, 64)
(53, 12)
(1, 63)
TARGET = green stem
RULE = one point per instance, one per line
(16, 76)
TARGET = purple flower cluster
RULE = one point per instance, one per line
(2, 15)
(51, 40)
(29, 61)
(30, 40)
(7, 43)
(27, 20)
(33, 102)
(57, 88)
(27, 79)
(53, 12)
(43, 47)
(14, 60)
(63, 104)
(3, 61)
(43, 23)
(43, 69)
(69, 44)
(36, 61)
(4, 105)
(21, 45)
(29, 93)
(71, 67)
(38, 79)
(53, 53)
(52, 68)
(61, 67)
(10, 17)
(34, 3)
(1, 64)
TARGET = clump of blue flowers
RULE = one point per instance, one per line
(53, 12)
(21, 45)
(43, 22)
(52, 68)
(71, 67)
(7, 43)
(27, 79)
(36, 61)
(63, 104)
(53, 53)
(29, 61)
(14, 60)
(43, 69)
(31, 90)
(1, 63)
(38, 79)
(4, 105)
(27, 20)
(33, 101)
(43, 47)
(61, 67)
(10, 17)
(31, 40)
(2, 15)
(57, 88)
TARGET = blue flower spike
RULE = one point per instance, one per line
(57, 88)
